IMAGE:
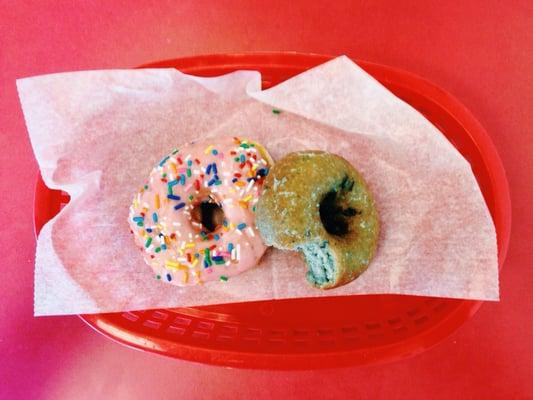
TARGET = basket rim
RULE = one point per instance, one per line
(411, 346)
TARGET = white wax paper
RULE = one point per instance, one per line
(97, 134)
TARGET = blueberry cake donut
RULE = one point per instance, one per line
(316, 203)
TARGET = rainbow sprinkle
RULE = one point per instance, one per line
(163, 161)
(179, 206)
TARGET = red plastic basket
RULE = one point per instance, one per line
(313, 332)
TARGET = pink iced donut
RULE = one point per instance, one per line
(194, 220)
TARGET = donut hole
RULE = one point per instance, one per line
(334, 215)
(208, 215)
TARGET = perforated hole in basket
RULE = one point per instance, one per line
(221, 334)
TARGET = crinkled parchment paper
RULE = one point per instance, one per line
(97, 134)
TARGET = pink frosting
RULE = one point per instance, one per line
(181, 250)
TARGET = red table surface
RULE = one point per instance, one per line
(482, 52)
